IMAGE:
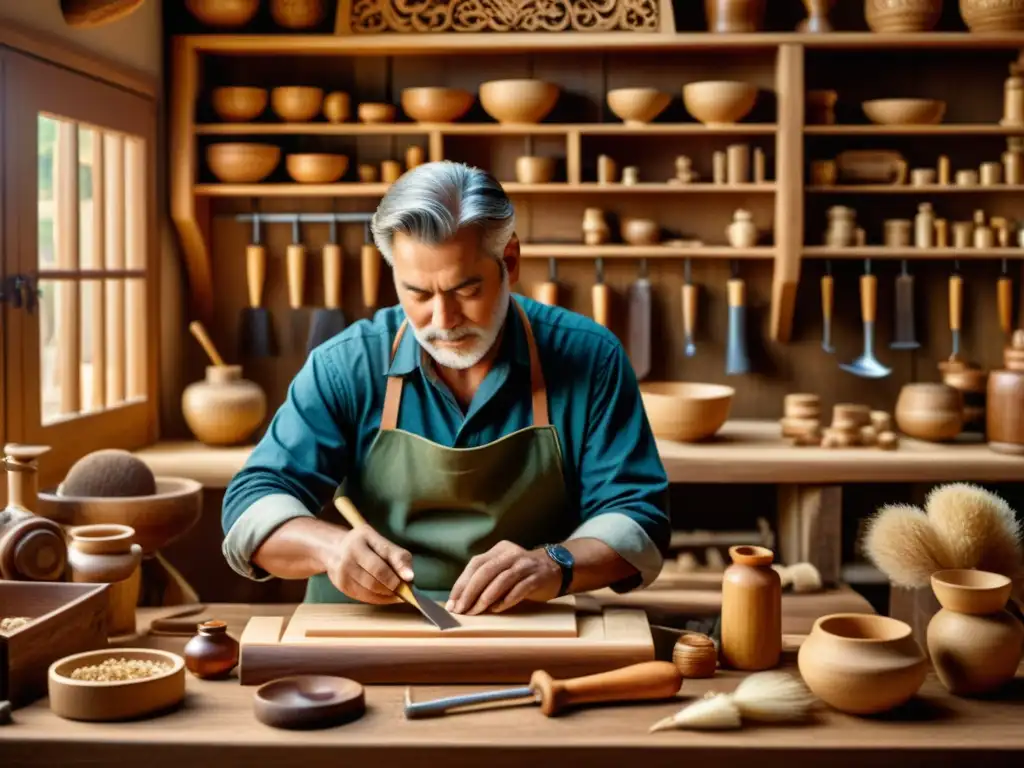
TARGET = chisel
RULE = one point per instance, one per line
(689, 310)
(827, 293)
(1004, 300)
(434, 613)
(647, 681)
(547, 293)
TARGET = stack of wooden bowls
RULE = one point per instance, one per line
(801, 416)
(853, 424)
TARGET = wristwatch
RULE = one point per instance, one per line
(563, 557)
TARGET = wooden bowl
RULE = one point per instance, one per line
(158, 520)
(297, 103)
(966, 590)
(239, 103)
(376, 112)
(636, 106)
(435, 104)
(988, 16)
(242, 162)
(902, 17)
(316, 168)
(686, 411)
(927, 411)
(719, 102)
(641, 231)
(223, 13)
(112, 700)
(309, 701)
(518, 101)
(904, 111)
(531, 169)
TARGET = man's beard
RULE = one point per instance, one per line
(483, 337)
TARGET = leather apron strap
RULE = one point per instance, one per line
(393, 393)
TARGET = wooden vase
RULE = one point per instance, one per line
(108, 554)
(751, 610)
(1004, 401)
(730, 16)
(901, 16)
(224, 409)
(975, 644)
(212, 653)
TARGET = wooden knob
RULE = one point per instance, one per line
(868, 297)
(649, 680)
(370, 259)
(827, 292)
(332, 275)
(199, 332)
(956, 297)
(295, 256)
(255, 273)
(600, 298)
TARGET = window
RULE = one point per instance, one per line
(78, 355)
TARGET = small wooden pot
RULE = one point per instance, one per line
(933, 412)
(108, 554)
(224, 409)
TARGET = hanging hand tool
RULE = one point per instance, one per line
(689, 310)
(295, 258)
(329, 320)
(257, 331)
(1004, 298)
(646, 681)
(640, 323)
(600, 295)
(867, 365)
(369, 261)
(827, 294)
(905, 336)
(547, 293)
(434, 612)
(736, 360)
(956, 301)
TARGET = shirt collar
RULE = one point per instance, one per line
(514, 346)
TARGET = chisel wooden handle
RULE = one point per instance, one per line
(546, 293)
(370, 259)
(648, 680)
(827, 293)
(868, 298)
(689, 309)
(332, 275)
(295, 256)
(355, 520)
(737, 292)
(600, 296)
(255, 273)
(956, 300)
(1004, 299)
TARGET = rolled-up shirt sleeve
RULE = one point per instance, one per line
(295, 468)
(624, 487)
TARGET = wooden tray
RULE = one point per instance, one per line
(68, 618)
(395, 645)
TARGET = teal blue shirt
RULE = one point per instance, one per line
(330, 417)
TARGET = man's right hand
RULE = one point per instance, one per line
(367, 567)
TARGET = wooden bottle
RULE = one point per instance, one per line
(107, 554)
(1004, 407)
(1013, 98)
(924, 226)
(32, 548)
(751, 610)
(212, 653)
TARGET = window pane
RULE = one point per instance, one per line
(59, 348)
(47, 140)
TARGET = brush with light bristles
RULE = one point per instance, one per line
(902, 543)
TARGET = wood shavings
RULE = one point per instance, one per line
(111, 670)
(9, 624)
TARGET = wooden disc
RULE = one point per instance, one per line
(801, 399)
(792, 427)
(309, 701)
(859, 414)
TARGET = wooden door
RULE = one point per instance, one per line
(79, 197)
(5, 322)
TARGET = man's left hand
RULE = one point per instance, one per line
(504, 576)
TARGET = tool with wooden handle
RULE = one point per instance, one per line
(369, 263)
(600, 295)
(640, 323)
(547, 292)
(904, 336)
(199, 331)
(257, 337)
(1004, 301)
(295, 262)
(736, 359)
(329, 320)
(647, 681)
(434, 612)
(956, 301)
(867, 365)
(827, 294)
(689, 311)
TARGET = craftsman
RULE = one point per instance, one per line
(497, 447)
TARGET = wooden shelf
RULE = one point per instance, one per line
(357, 189)
(881, 252)
(950, 129)
(482, 129)
(909, 189)
(617, 251)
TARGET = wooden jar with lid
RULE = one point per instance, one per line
(1005, 402)
(32, 548)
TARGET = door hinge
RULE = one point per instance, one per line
(20, 291)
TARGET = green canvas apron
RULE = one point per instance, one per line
(445, 505)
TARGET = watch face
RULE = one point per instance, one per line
(561, 555)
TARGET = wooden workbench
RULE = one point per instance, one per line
(215, 726)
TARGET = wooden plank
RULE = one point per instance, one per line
(66, 245)
(811, 527)
(789, 178)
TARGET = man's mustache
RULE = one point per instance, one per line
(455, 334)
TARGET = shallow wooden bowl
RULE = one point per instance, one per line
(223, 13)
(96, 700)
(636, 106)
(316, 168)
(240, 104)
(242, 162)
(309, 701)
(531, 169)
(376, 112)
(904, 111)
(518, 101)
(716, 102)
(641, 231)
(966, 590)
(436, 104)
(686, 411)
(297, 103)
(157, 520)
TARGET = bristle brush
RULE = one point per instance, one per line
(902, 543)
(978, 528)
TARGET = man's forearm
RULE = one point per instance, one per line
(299, 548)
(596, 565)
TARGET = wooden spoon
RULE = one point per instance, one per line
(199, 332)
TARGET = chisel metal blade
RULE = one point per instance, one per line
(434, 612)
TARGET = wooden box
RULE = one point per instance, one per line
(67, 618)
